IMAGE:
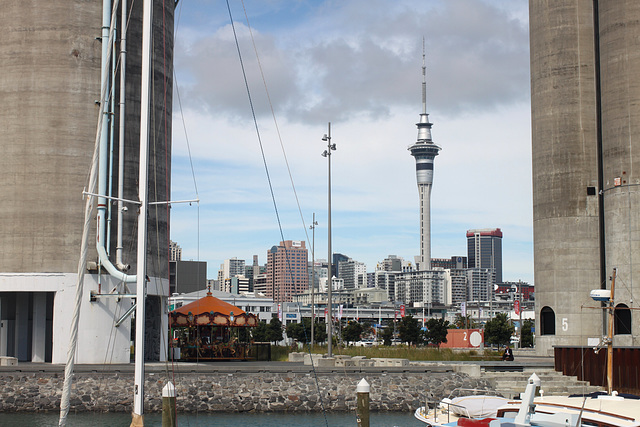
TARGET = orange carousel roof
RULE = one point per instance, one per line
(209, 304)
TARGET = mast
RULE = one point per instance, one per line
(610, 335)
(138, 396)
(330, 283)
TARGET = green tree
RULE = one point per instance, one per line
(302, 331)
(297, 331)
(464, 322)
(526, 334)
(387, 335)
(436, 332)
(352, 331)
(408, 330)
(260, 332)
(320, 332)
(498, 330)
(274, 331)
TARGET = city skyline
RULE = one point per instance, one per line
(357, 65)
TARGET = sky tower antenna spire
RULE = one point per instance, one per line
(424, 80)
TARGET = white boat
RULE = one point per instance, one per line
(469, 403)
(601, 410)
(593, 410)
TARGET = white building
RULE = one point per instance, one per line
(480, 282)
(175, 251)
(338, 284)
(386, 280)
(426, 286)
(236, 285)
(458, 278)
(353, 273)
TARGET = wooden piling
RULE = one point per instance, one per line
(362, 391)
(169, 405)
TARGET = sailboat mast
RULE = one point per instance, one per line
(138, 397)
(610, 337)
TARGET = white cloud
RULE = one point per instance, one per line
(358, 65)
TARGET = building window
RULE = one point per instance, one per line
(547, 321)
(622, 320)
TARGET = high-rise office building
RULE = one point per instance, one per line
(484, 250)
(585, 104)
(386, 280)
(424, 150)
(252, 271)
(455, 262)
(459, 285)
(354, 274)
(287, 273)
(424, 286)
(230, 268)
(187, 276)
(391, 263)
(480, 284)
(175, 251)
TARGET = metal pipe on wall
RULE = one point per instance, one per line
(107, 28)
(123, 66)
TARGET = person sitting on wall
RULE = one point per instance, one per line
(508, 354)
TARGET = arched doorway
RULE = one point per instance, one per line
(547, 321)
(622, 320)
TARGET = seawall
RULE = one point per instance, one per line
(284, 388)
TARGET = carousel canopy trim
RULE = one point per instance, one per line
(209, 304)
(211, 311)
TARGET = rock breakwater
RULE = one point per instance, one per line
(233, 392)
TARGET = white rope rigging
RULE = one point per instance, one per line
(82, 262)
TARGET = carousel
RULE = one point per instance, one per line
(211, 329)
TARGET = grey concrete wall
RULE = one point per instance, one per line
(232, 392)
(160, 134)
(620, 68)
(49, 82)
(566, 245)
(565, 150)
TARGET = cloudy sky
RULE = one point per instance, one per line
(356, 64)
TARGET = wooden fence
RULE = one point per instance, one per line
(591, 366)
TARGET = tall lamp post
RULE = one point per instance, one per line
(327, 154)
(313, 274)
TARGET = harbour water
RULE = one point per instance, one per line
(386, 419)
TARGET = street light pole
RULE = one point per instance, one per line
(520, 310)
(313, 274)
(327, 154)
(518, 290)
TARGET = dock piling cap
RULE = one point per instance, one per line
(363, 386)
(169, 390)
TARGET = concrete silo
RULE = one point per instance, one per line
(50, 79)
(584, 55)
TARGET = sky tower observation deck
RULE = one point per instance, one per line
(424, 150)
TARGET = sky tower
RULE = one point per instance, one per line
(424, 150)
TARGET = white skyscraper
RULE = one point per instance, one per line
(424, 151)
